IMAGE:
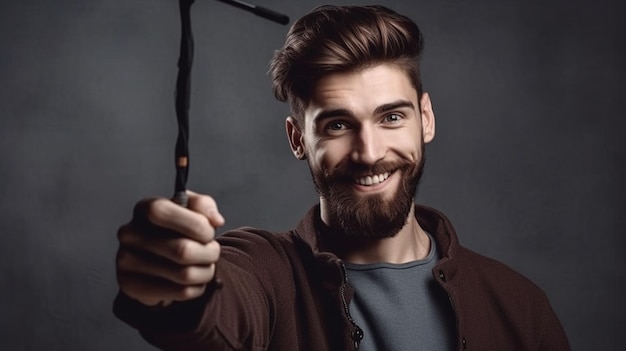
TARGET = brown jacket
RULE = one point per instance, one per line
(278, 292)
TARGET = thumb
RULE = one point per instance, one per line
(205, 205)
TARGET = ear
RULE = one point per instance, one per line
(295, 136)
(428, 118)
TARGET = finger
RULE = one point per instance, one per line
(166, 214)
(143, 264)
(206, 205)
(153, 291)
(174, 248)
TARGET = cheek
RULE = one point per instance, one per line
(408, 146)
(327, 155)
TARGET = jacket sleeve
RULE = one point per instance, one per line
(236, 310)
(553, 335)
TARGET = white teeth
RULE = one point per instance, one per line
(372, 180)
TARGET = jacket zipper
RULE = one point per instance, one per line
(357, 334)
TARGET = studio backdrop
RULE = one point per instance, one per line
(527, 160)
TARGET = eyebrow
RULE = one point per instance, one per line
(393, 106)
(378, 110)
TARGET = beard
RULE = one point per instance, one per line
(369, 216)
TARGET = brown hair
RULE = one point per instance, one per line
(334, 39)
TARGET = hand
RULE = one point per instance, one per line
(168, 252)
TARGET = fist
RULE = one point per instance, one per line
(168, 252)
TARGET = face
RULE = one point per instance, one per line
(363, 137)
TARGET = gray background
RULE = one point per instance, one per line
(526, 162)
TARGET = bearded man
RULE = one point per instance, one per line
(366, 268)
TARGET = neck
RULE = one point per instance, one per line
(410, 244)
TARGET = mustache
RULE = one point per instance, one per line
(350, 170)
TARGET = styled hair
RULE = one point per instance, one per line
(335, 39)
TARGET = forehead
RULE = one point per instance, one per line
(362, 91)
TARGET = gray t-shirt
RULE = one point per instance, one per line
(401, 306)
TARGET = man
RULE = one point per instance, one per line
(365, 269)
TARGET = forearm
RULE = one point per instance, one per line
(233, 313)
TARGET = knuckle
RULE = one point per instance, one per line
(183, 250)
(156, 210)
(132, 238)
(206, 201)
(122, 232)
(191, 292)
(187, 275)
(208, 232)
(142, 207)
(123, 260)
(202, 227)
(127, 235)
(215, 250)
(194, 275)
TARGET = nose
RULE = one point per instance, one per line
(368, 147)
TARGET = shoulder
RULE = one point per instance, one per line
(489, 294)
(256, 243)
(480, 280)
(493, 273)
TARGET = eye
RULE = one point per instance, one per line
(393, 118)
(336, 125)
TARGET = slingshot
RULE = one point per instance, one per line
(183, 87)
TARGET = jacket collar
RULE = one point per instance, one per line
(434, 222)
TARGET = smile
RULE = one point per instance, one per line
(372, 180)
